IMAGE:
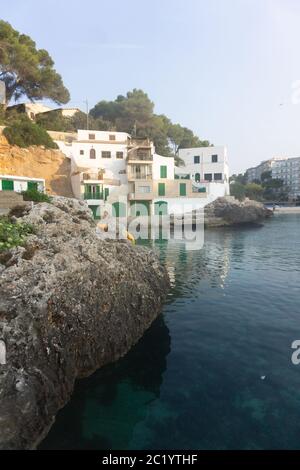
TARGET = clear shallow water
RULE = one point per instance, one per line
(194, 381)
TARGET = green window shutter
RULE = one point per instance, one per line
(161, 189)
(32, 185)
(182, 189)
(106, 193)
(7, 185)
(163, 171)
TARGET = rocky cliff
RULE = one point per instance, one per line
(37, 162)
(69, 303)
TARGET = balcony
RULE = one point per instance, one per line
(139, 176)
(97, 195)
(99, 177)
(140, 155)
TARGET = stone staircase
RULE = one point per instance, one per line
(8, 200)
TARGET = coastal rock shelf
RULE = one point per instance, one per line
(229, 211)
(69, 304)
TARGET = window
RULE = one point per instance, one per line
(163, 171)
(112, 137)
(119, 154)
(197, 177)
(106, 154)
(93, 153)
(161, 189)
(214, 158)
(208, 176)
(218, 176)
(182, 189)
(197, 159)
(7, 185)
(92, 136)
(144, 189)
(81, 152)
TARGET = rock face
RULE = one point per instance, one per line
(69, 303)
(37, 162)
(229, 211)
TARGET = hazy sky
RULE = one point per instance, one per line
(224, 68)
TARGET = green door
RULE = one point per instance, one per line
(138, 208)
(119, 209)
(7, 185)
(94, 210)
(161, 208)
(163, 171)
(182, 189)
(161, 189)
(32, 185)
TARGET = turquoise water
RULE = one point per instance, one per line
(214, 371)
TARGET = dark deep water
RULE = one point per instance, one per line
(195, 380)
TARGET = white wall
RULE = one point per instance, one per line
(102, 135)
(206, 165)
(158, 161)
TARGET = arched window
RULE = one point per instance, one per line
(197, 177)
(92, 153)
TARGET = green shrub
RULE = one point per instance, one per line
(23, 132)
(35, 195)
(13, 234)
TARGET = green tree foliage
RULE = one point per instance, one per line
(27, 70)
(240, 178)
(254, 191)
(23, 132)
(134, 113)
(55, 121)
(237, 190)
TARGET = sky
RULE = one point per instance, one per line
(227, 69)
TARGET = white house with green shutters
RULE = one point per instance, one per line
(124, 175)
(21, 183)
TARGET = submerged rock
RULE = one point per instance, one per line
(69, 303)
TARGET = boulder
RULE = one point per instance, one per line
(226, 211)
(70, 303)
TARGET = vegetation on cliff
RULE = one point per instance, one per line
(22, 132)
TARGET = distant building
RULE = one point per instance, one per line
(254, 174)
(285, 168)
(34, 109)
(288, 170)
(31, 109)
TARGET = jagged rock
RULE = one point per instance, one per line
(69, 303)
(229, 211)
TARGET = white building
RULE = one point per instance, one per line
(207, 168)
(21, 183)
(112, 167)
(288, 170)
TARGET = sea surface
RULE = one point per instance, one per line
(214, 371)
